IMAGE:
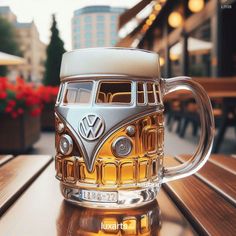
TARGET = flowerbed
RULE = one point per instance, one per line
(18, 98)
(21, 107)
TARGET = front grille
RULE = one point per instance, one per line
(107, 173)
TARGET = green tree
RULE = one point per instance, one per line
(55, 50)
(8, 42)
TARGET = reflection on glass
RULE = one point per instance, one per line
(78, 93)
(89, 222)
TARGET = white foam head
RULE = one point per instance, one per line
(112, 61)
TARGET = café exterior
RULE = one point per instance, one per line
(194, 37)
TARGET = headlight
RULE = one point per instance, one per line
(66, 144)
(122, 147)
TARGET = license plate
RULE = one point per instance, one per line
(98, 196)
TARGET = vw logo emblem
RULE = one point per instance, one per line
(91, 127)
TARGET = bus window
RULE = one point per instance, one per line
(78, 93)
(140, 91)
(61, 88)
(114, 93)
(157, 93)
(150, 92)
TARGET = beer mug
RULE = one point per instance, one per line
(110, 127)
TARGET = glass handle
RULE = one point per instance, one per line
(203, 150)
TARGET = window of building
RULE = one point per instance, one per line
(114, 27)
(140, 93)
(88, 19)
(100, 26)
(114, 93)
(88, 36)
(113, 18)
(78, 93)
(101, 42)
(100, 18)
(114, 35)
(113, 42)
(76, 21)
(100, 34)
(87, 28)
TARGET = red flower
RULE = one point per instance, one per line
(3, 83)
(3, 95)
(11, 103)
(35, 112)
(8, 109)
(19, 97)
(20, 111)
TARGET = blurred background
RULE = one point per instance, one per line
(193, 37)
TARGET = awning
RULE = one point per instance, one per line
(130, 40)
(195, 46)
(8, 59)
(132, 12)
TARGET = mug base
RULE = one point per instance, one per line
(117, 199)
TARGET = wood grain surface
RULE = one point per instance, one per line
(41, 210)
(216, 176)
(224, 161)
(17, 175)
(209, 211)
(191, 206)
(5, 158)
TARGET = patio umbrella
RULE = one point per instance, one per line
(195, 46)
(8, 59)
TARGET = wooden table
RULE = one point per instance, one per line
(31, 203)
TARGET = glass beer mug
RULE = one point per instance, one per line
(110, 130)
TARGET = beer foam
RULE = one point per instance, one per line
(112, 61)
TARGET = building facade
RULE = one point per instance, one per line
(31, 47)
(95, 26)
(193, 37)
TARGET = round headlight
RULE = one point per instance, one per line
(66, 144)
(122, 147)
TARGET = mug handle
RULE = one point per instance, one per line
(203, 150)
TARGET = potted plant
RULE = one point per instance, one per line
(20, 109)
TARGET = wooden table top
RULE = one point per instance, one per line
(203, 204)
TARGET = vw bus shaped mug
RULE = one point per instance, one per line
(110, 131)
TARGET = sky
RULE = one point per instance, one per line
(41, 10)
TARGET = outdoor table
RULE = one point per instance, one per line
(31, 202)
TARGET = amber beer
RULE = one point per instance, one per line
(110, 130)
(112, 172)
